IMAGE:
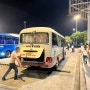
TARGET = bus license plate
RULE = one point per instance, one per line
(33, 61)
(29, 54)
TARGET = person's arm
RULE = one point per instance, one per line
(19, 62)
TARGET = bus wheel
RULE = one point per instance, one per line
(64, 53)
(63, 58)
(57, 64)
(8, 53)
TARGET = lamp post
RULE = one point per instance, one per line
(25, 24)
(76, 18)
(74, 30)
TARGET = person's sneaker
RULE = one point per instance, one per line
(3, 79)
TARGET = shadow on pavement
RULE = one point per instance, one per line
(40, 73)
(34, 72)
(61, 66)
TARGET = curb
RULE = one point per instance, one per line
(82, 77)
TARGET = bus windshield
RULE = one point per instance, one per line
(1, 40)
(37, 38)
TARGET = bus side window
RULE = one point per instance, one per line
(54, 39)
(1, 40)
(9, 40)
(16, 41)
(62, 42)
(59, 40)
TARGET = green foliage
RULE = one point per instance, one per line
(68, 38)
(81, 37)
(85, 36)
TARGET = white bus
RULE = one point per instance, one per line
(41, 46)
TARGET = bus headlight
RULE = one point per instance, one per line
(2, 54)
(1, 46)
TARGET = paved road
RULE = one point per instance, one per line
(4, 59)
(42, 79)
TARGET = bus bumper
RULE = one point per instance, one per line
(40, 64)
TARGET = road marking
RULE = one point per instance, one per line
(66, 71)
(75, 66)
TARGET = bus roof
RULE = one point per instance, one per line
(40, 29)
(9, 34)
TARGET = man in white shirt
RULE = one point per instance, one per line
(13, 58)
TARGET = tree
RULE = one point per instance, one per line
(81, 37)
(68, 39)
(85, 36)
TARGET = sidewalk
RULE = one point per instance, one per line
(87, 74)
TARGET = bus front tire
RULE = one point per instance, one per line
(8, 53)
(64, 53)
(63, 58)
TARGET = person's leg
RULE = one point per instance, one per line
(72, 49)
(9, 69)
(16, 71)
(86, 59)
(83, 58)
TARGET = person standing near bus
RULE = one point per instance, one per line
(73, 50)
(14, 57)
(85, 54)
(88, 52)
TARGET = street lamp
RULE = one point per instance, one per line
(25, 24)
(76, 18)
(74, 29)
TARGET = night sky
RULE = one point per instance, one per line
(49, 13)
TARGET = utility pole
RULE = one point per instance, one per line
(88, 34)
